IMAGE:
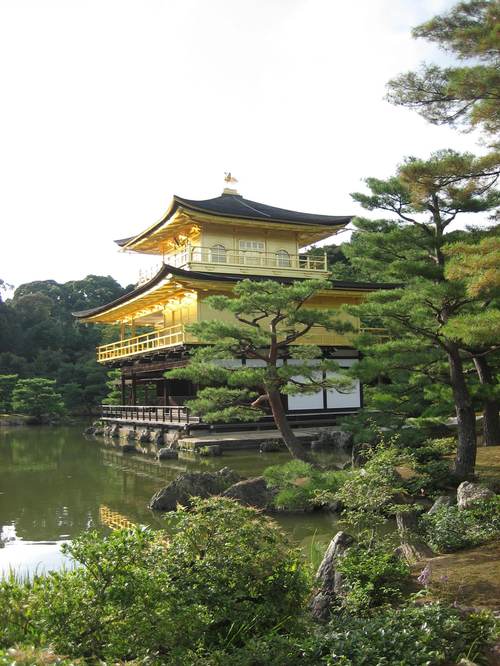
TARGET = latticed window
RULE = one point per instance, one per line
(218, 254)
(283, 258)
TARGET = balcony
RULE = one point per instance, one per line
(172, 336)
(219, 259)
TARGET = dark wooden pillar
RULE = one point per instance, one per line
(134, 392)
(123, 391)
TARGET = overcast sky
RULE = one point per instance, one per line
(109, 107)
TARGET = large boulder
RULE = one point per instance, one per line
(329, 583)
(252, 492)
(441, 501)
(468, 493)
(330, 439)
(192, 484)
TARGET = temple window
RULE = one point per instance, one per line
(218, 254)
(254, 246)
(283, 258)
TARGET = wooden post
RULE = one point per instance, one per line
(134, 392)
(123, 389)
(122, 330)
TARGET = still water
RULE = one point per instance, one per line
(55, 483)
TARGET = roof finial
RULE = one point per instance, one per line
(229, 179)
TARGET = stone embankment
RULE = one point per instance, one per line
(164, 443)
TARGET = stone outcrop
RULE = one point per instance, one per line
(193, 484)
(252, 492)
(412, 548)
(329, 582)
(210, 450)
(440, 502)
(272, 446)
(167, 454)
(468, 493)
(330, 439)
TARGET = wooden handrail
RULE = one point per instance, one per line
(149, 413)
(159, 339)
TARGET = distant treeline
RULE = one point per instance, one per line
(39, 337)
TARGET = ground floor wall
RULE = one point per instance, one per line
(149, 384)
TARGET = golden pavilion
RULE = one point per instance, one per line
(205, 247)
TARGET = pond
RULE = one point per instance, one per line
(55, 483)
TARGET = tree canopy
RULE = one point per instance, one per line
(39, 337)
(465, 95)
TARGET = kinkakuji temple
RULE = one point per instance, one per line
(205, 248)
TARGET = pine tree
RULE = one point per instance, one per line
(426, 196)
(478, 331)
(467, 95)
(268, 321)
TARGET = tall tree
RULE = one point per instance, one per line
(426, 196)
(478, 331)
(467, 95)
(269, 320)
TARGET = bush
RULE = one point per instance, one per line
(434, 449)
(413, 635)
(302, 487)
(450, 528)
(226, 573)
(371, 494)
(373, 576)
(431, 477)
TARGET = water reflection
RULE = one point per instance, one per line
(54, 484)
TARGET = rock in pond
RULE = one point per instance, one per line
(167, 454)
(468, 493)
(272, 446)
(210, 450)
(252, 492)
(192, 484)
(330, 439)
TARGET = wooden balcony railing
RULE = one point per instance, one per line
(223, 257)
(148, 414)
(160, 339)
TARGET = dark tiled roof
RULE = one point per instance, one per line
(223, 277)
(234, 205)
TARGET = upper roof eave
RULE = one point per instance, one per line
(167, 270)
(235, 206)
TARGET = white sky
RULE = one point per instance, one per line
(109, 107)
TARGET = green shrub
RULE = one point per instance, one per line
(302, 487)
(373, 576)
(434, 449)
(410, 636)
(371, 494)
(450, 528)
(414, 635)
(432, 476)
(226, 571)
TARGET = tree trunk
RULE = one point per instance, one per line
(292, 443)
(465, 459)
(491, 408)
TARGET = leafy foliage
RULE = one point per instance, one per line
(37, 397)
(464, 95)
(225, 573)
(301, 486)
(416, 635)
(374, 575)
(268, 320)
(7, 384)
(39, 337)
(450, 529)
